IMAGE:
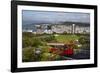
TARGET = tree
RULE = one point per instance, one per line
(28, 55)
(49, 27)
(64, 32)
(50, 38)
(82, 39)
(26, 42)
(37, 42)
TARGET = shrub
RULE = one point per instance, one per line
(26, 42)
(28, 55)
(50, 38)
(37, 42)
(84, 39)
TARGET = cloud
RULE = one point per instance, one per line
(31, 16)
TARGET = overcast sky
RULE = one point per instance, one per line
(33, 17)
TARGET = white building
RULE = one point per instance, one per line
(82, 29)
(70, 29)
(60, 28)
(48, 31)
(28, 30)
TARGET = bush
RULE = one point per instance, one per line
(28, 55)
(54, 32)
(50, 38)
(26, 42)
(64, 32)
(36, 42)
(84, 39)
(32, 42)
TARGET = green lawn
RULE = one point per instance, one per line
(66, 38)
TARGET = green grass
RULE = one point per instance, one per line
(66, 38)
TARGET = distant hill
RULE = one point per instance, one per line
(77, 23)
